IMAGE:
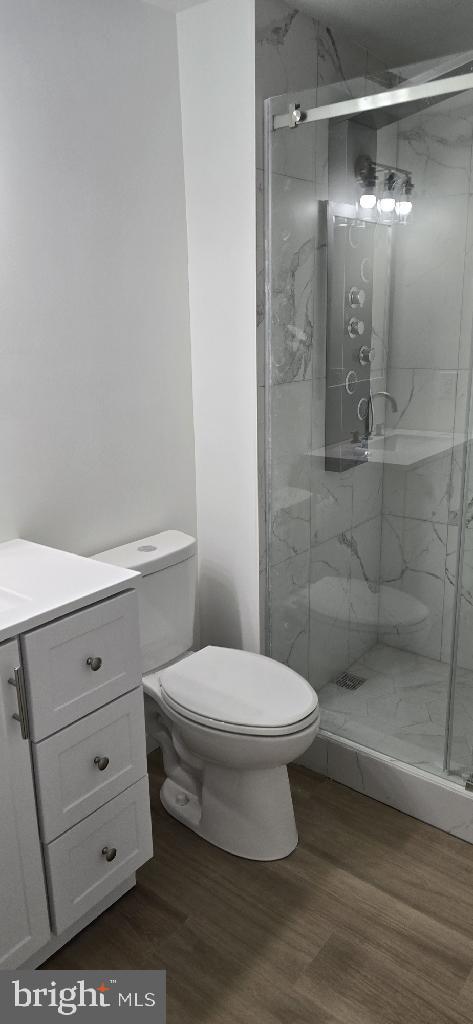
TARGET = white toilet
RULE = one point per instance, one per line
(228, 721)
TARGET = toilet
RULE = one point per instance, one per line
(228, 721)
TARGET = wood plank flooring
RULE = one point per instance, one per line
(370, 921)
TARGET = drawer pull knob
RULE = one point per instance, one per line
(102, 763)
(109, 852)
(94, 663)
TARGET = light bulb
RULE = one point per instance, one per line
(367, 201)
(404, 207)
(386, 204)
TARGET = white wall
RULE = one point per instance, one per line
(216, 54)
(96, 432)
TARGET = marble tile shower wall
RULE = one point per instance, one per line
(428, 370)
(321, 523)
(286, 58)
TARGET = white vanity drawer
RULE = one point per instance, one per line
(81, 767)
(79, 874)
(78, 663)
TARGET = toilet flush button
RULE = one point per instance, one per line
(182, 799)
(147, 547)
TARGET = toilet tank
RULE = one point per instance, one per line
(166, 592)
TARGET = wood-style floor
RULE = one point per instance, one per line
(370, 921)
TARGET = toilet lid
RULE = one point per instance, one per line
(237, 690)
(386, 608)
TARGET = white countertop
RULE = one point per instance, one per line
(411, 448)
(406, 449)
(38, 584)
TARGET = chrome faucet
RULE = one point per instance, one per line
(369, 415)
(389, 398)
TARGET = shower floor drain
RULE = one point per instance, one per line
(348, 681)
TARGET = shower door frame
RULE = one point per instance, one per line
(295, 119)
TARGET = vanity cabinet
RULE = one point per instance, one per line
(90, 859)
(82, 767)
(80, 662)
(75, 820)
(24, 920)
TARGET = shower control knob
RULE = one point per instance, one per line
(366, 355)
(351, 380)
(362, 409)
(356, 297)
(366, 270)
(356, 327)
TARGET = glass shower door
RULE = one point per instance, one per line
(368, 334)
(459, 749)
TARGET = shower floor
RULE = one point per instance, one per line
(401, 709)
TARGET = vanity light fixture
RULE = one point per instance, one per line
(387, 202)
(404, 204)
(368, 201)
(404, 207)
(395, 200)
(365, 171)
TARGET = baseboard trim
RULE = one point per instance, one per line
(430, 798)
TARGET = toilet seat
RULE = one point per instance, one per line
(220, 725)
(237, 692)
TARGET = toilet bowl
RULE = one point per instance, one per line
(228, 721)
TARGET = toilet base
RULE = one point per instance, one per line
(247, 813)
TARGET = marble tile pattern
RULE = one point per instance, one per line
(342, 66)
(329, 642)
(337, 634)
(293, 227)
(290, 438)
(289, 588)
(428, 355)
(463, 593)
(365, 548)
(296, 52)
(436, 146)
(428, 265)
(286, 57)
(400, 710)
(413, 554)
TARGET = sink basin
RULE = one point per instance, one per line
(409, 447)
(395, 443)
(10, 599)
(403, 448)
